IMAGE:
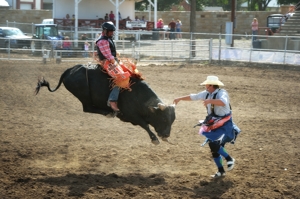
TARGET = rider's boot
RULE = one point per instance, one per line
(114, 106)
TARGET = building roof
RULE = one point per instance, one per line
(3, 3)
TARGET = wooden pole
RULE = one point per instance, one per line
(232, 20)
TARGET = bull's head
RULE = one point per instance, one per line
(162, 119)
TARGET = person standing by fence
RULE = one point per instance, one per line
(254, 29)
(86, 49)
(178, 29)
(160, 26)
(172, 26)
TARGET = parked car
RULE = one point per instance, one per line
(11, 37)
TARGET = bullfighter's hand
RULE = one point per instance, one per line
(176, 101)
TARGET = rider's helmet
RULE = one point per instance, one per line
(108, 26)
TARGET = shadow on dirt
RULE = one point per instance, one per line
(212, 189)
(79, 184)
(206, 189)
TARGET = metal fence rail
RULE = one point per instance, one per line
(156, 46)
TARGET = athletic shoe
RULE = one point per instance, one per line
(218, 175)
(230, 164)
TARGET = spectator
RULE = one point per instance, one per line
(86, 49)
(172, 26)
(73, 19)
(111, 16)
(128, 19)
(136, 18)
(160, 23)
(66, 45)
(143, 19)
(83, 37)
(67, 21)
(120, 17)
(288, 15)
(178, 29)
(106, 17)
(254, 29)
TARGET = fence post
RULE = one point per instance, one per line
(210, 49)
(172, 47)
(285, 48)
(139, 49)
(133, 49)
(8, 49)
(32, 28)
(250, 54)
(192, 46)
(220, 44)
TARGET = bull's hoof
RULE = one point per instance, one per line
(156, 142)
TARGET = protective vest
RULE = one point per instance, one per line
(212, 107)
(111, 46)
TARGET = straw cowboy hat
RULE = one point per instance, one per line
(213, 80)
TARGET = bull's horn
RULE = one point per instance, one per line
(161, 106)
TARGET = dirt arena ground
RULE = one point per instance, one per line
(49, 148)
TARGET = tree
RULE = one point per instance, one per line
(288, 2)
(142, 5)
(162, 5)
(261, 5)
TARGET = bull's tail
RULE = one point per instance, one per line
(42, 82)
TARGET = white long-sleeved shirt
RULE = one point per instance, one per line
(221, 95)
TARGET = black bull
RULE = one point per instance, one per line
(140, 106)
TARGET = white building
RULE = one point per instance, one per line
(272, 6)
(87, 9)
(92, 9)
